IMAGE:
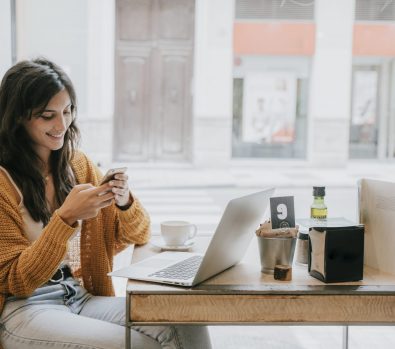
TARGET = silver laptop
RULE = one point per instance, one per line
(227, 247)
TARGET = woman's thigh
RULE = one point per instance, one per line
(55, 326)
(113, 309)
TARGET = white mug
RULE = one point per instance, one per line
(176, 233)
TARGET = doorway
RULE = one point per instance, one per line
(153, 77)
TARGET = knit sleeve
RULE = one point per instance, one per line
(134, 224)
(131, 226)
(25, 266)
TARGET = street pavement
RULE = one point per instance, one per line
(254, 175)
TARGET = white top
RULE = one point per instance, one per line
(34, 229)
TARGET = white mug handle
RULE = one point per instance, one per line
(192, 234)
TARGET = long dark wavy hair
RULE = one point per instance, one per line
(26, 86)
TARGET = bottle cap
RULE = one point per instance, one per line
(318, 191)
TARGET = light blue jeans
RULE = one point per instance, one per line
(65, 315)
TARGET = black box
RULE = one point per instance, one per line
(336, 253)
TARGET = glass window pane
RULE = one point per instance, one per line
(270, 107)
(364, 113)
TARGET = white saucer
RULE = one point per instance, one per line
(160, 243)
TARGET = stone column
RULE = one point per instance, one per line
(98, 124)
(213, 79)
(330, 89)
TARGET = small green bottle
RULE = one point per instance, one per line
(318, 208)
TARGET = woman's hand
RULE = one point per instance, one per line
(85, 201)
(120, 188)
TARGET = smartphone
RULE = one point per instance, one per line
(111, 173)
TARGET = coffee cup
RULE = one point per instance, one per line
(177, 233)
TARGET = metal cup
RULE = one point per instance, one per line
(275, 251)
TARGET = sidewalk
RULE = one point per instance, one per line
(187, 176)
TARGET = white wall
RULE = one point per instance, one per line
(58, 31)
(330, 92)
(5, 37)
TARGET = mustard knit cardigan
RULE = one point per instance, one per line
(25, 266)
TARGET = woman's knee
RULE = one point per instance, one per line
(192, 337)
(178, 337)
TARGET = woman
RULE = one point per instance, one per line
(60, 228)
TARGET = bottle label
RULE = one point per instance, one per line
(319, 213)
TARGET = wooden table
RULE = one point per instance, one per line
(244, 295)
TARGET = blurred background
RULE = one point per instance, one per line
(219, 82)
(205, 100)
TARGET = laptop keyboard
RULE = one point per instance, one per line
(182, 270)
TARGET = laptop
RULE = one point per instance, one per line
(227, 247)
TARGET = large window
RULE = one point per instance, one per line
(273, 45)
(364, 119)
(270, 107)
